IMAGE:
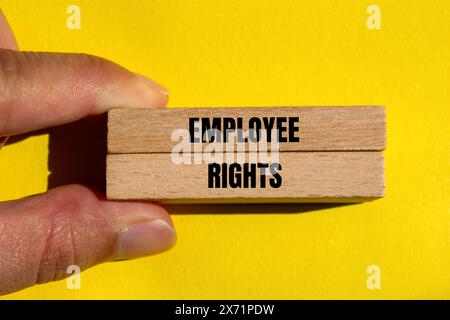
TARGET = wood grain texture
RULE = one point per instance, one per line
(306, 177)
(320, 128)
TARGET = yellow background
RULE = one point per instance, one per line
(251, 53)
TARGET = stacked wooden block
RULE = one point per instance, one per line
(270, 154)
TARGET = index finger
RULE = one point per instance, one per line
(40, 89)
(7, 39)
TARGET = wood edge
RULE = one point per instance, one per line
(255, 200)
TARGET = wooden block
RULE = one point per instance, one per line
(319, 128)
(303, 177)
(324, 154)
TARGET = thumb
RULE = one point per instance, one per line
(41, 236)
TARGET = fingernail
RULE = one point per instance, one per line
(153, 85)
(143, 239)
(7, 41)
(3, 141)
(141, 92)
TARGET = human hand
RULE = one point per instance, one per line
(40, 236)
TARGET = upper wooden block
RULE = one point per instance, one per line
(355, 128)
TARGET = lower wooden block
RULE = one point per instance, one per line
(294, 177)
